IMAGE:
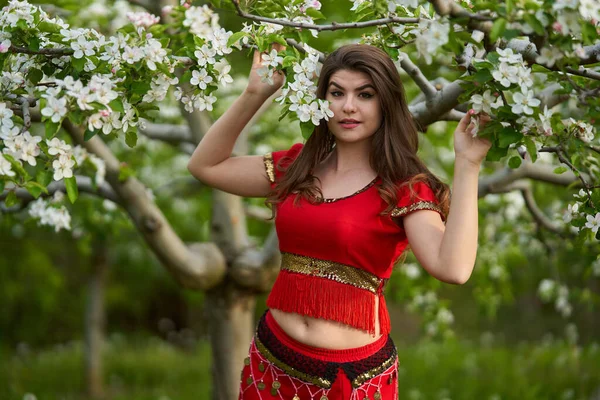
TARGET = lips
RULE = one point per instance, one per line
(349, 123)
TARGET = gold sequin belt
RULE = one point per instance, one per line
(319, 372)
(338, 272)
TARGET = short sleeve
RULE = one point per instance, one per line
(421, 197)
(277, 162)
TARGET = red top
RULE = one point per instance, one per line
(337, 254)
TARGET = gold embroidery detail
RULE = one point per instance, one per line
(261, 367)
(341, 273)
(365, 376)
(247, 361)
(276, 385)
(421, 205)
(261, 386)
(315, 380)
(377, 395)
(296, 397)
(269, 166)
(334, 199)
(324, 397)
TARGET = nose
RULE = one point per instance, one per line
(349, 105)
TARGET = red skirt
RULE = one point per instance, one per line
(279, 367)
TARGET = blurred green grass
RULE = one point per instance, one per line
(151, 369)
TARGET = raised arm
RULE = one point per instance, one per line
(448, 252)
(212, 163)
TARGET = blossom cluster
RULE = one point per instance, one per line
(300, 95)
(50, 214)
(551, 291)
(576, 210)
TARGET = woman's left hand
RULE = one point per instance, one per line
(468, 146)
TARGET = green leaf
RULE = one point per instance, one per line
(560, 170)
(125, 172)
(89, 134)
(531, 149)
(307, 129)
(539, 68)
(16, 165)
(535, 24)
(497, 29)
(49, 27)
(116, 105)
(508, 136)
(235, 37)
(11, 199)
(44, 177)
(2, 183)
(496, 153)
(509, 6)
(140, 87)
(35, 189)
(314, 13)
(35, 75)
(514, 162)
(51, 128)
(34, 44)
(78, 63)
(131, 137)
(72, 190)
(483, 76)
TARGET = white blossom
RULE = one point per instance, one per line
(523, 102)
(6, 167)
(486, 102)
(5, 45)
(546, 289)
(571, 212)
(222, 67)
(412, 271)
(57, 146)
(593, 223)
(142, 19)
(201, 78)
(205, 55)
(55, 108)
(506, 74)
(63, 167)
(549, 56)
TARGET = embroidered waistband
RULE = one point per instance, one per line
(338, 272)
(319, 372)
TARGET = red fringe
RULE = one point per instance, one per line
(324, 298)
(384, 316)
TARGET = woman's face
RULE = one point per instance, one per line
(355, 105)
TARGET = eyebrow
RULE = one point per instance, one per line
(368, 85)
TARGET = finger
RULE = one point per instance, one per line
(257, 57)
(465, 121)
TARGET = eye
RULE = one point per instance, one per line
(335, 93)
(366, 95)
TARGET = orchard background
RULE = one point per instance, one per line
(122, 277)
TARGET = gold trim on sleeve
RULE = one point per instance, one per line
(334, 271)
(269, 166)
(421, 205)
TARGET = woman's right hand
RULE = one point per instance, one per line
(255, 84)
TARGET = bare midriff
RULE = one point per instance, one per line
(323, 333)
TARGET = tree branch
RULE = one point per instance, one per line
(84, 184)
(199, 266)
(45, 52)
(258, 269)
(498, 181)
(539, 216)
(417, 76)
(169, 133)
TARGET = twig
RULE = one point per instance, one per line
(46, 52)
(446, 7)
(334, 26)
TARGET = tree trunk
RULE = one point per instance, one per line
(230, 316)
(94, 321)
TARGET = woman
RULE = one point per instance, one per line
(348, 203)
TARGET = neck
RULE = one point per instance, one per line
(351, 156)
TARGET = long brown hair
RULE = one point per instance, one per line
(394, 146)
